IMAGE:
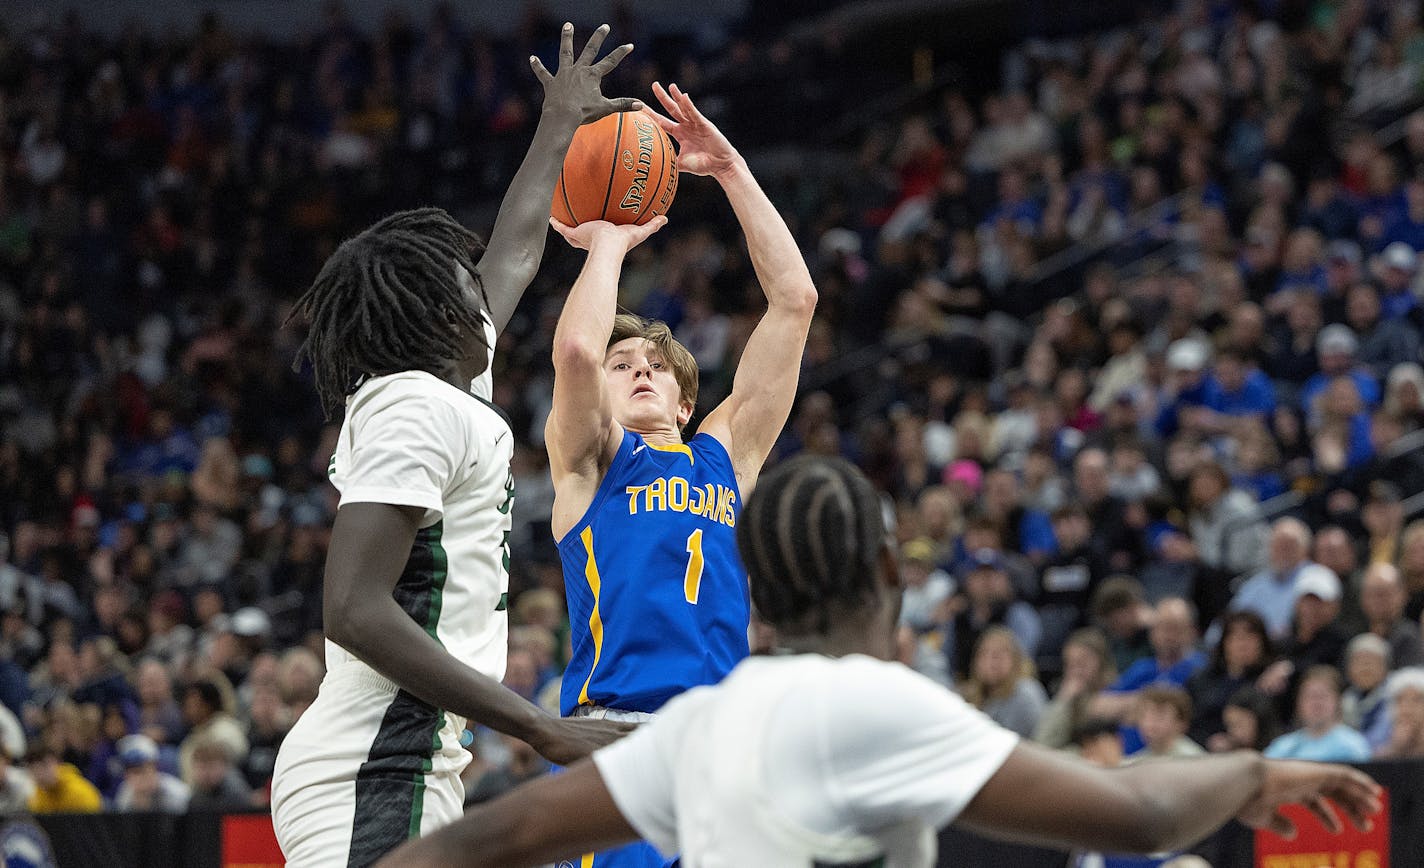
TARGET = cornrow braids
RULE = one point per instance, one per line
(390, 300)
(810, 537)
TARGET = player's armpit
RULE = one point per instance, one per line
(551, 818)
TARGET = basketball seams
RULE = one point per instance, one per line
(613, 168)
(568, 206)
(583, 168)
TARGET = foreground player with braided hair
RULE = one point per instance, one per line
(831, 756)
(402, 323)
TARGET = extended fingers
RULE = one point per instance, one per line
(1359, 797)
(1281, 825)
(669, 104)
(595, 42)
(615, 57)
(566, 45)
(685, 102)
(540, 72)
(1325, 814)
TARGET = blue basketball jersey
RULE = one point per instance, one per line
(658, 598)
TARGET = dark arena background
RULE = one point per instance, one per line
(1119, 304)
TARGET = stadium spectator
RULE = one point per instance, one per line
(1321, 737)
(1092, 490)
(145, 788)
(1120, 611)
(1240, 657)
(986, 600)
(1067, 581)
(1174, 660)
(1087, 670)
(1163, 715)
(1002, 682)
(1406, 715)
(1225, 530)
(1316, 638)
(1382, 600)
(1411, 568)
(59, 787)
(1270, 594)
(216, 785)
(205, 710)
(1384, 343)
(1249, 722)
(924, 610)
(1099, 742)
(159, 714)
(1364, 704)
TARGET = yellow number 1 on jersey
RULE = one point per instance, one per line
(692, 583)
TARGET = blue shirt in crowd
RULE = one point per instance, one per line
(1340, 745)
(1149, 671)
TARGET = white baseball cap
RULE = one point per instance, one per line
(1400, 255)
(1318, 580)
(1187, 354)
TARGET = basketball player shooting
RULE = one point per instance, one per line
(402, 329)
(645, 521)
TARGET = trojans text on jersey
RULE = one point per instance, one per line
(675, 494)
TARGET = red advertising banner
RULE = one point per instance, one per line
(249, 842)
(1315, 847)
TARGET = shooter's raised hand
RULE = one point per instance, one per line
(701, 147)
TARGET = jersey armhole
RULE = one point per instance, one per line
(605, 487)
(718, 448)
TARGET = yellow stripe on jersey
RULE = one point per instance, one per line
(674, 447)
(595, 620)
(586, 861)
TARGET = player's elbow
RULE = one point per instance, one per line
(573, 353)
(342, 616)
(801, 299)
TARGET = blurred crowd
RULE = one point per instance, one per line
(1130, 342)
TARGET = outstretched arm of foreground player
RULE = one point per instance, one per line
(572, 96)
(764, 387)
(1041, 796)
(1037, 796)
(580, 433)
(538, 823)
(370, 544)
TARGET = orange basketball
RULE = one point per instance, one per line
(621, 168)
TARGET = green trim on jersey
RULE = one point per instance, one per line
(420, 592)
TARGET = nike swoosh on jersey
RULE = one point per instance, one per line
(640, 449)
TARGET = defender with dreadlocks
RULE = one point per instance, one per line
(829, 755)
(403, 322)
(645, 521)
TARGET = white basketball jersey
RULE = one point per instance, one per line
(794, 762)
(412, 439)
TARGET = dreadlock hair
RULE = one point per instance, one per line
(389, 300)
(811, 536)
